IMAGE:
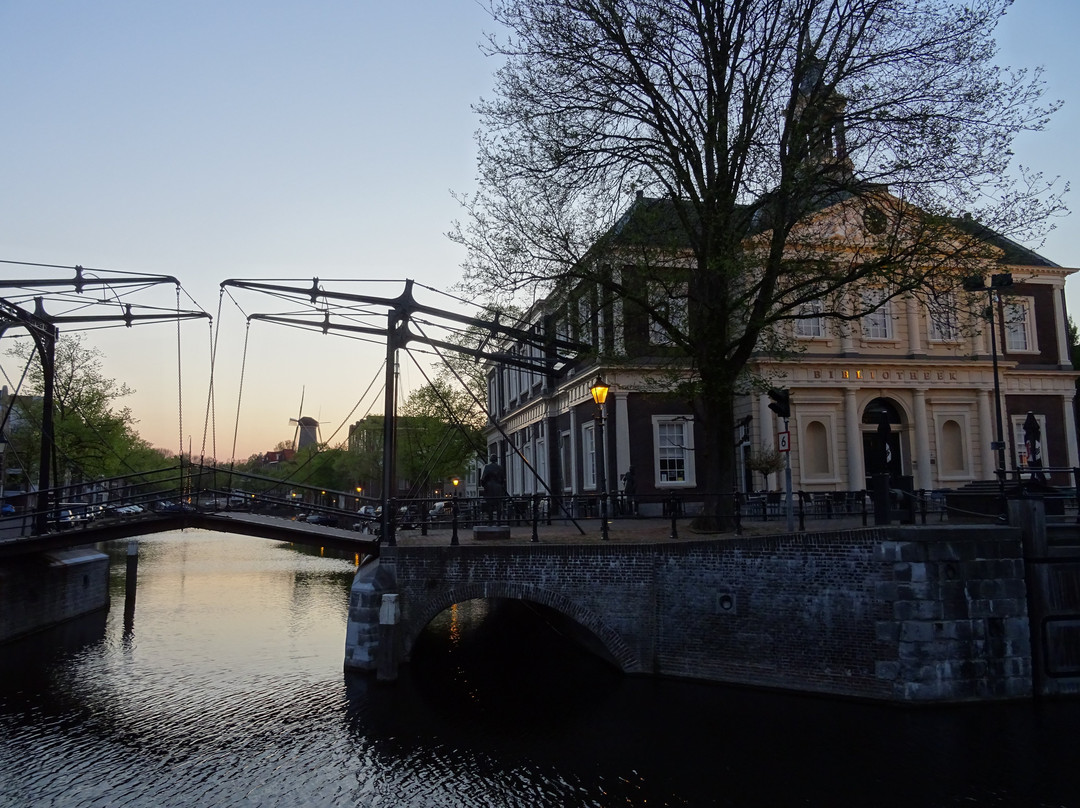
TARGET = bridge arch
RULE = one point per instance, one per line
(613, 643)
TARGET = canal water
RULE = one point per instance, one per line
(222, 685)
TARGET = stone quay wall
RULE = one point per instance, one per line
(915, 615)
(43, 590)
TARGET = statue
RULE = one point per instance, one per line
(629, 491)
(1033, 447)
(493, 483)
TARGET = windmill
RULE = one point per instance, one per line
(307, 429)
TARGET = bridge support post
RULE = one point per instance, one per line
(131, 582)
(364, 633)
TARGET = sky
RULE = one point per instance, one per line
(219, 139)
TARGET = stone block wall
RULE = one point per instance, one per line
(955, 624)
(42, 591)
(920, 614)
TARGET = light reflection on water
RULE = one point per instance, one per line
(225, 687)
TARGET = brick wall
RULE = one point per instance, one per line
(900, 614)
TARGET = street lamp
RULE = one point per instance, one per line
(1002, 280)
(599, 391)
(453, 512)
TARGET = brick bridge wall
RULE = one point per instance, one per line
(900, 614)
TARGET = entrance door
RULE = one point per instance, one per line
(883, 455)
(882, 445)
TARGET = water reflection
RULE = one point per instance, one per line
(225, 687)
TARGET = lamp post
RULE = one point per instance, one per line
(453, 513)
(599, 391)
(1002, 280)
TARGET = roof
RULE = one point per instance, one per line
(655, 222)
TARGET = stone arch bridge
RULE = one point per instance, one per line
(891, 613)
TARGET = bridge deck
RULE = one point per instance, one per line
(244, 523)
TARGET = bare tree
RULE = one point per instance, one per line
(789, 153)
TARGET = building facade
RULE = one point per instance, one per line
(908, 389)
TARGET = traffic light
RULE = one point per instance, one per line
(781, 402)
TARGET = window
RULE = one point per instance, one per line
(528, 482)
(588, 455)
(810, 323)
(1019, 324)
(673, 442)
(671, 304)
(583, 322)
(944, 326)
(566, 461)
(877, 324)
(1024, 443)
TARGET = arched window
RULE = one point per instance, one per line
(878, 407)
(816, 460)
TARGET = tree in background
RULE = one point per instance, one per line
(438, 434)
(94, 435)
(739, 122)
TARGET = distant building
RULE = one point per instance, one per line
(279, 456)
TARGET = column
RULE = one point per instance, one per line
(622, 437)
(923, 477)
(852, 426)
(980, 342)
(575, 449)
(987, 430)
(1070, 431)
(914, 327)
(1061, 331)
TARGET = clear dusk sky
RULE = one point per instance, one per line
(215, 139)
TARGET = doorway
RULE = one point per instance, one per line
(883, 444)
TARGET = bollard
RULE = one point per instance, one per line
(535, 517)
(453, 523)
(802, 512)
(130, 585)
(672, 505)
(388, 620)
(738, 512)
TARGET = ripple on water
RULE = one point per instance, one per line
(224, 686)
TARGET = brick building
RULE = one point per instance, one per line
(927, 369)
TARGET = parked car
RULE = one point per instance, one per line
(441, 510)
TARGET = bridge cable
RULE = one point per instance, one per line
(7, 413)
(313, 455)
(509, 442)
(179, 379)
(378, 374)
(211, 390)
(240, 391)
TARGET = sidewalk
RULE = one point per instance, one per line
(620, 531)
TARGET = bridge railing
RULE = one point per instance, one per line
(852, 507)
